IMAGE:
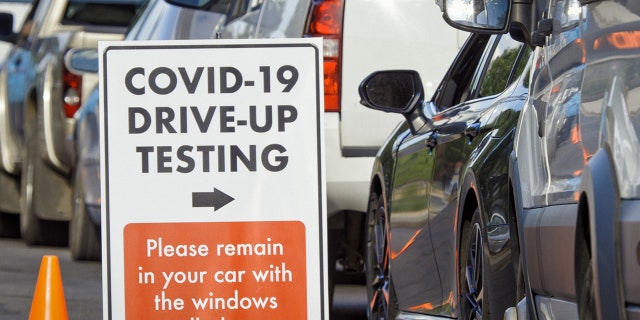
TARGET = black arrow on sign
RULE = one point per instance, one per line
(216, 199)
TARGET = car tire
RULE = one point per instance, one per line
(474, 300)
(586, 296)
(84, 235)
(584, 272)
(35, 231)
(382, 303)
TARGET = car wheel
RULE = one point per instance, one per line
(381, 297)
(84, 235)
(584, 272)
(35, 231)
(586, 296)
(475, 304)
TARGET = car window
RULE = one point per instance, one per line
(498, 73)
(521, 65)
(457, 85)
(115, 13)
(32, 27)
(26, 25)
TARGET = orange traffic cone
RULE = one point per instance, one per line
(48, 299)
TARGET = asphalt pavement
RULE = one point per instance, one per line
(19, 268)
(82, 283)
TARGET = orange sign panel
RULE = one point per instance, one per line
(215, 270)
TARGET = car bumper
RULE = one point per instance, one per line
(347, 177)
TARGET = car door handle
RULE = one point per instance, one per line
(432, 141)
(472, 130)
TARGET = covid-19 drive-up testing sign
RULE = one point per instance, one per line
(213, 180)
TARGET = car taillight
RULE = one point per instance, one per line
(72, 89)
(325, 20)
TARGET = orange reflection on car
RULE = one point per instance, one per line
(406, 245)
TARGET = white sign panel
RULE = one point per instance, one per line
(213, 180)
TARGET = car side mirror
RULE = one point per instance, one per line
(82, 60)
(391, 91)
(491, 16)
(488, 15)
(397, 91)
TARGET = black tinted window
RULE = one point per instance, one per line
(457, 85)
(101, 13)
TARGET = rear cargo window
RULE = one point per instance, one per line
(111, 13)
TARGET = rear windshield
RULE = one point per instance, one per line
(112, 13)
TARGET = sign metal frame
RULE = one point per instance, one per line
(206, 199)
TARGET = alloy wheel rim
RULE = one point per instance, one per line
(379, 304)
(474, 273)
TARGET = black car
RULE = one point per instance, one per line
(440, 231)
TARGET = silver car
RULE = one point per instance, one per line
(38, 98)
(160, 20)
(575, 163)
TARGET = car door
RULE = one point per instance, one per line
(556, 97)
(461, 131)
(413, 267)
(20, 71)
(610, 186)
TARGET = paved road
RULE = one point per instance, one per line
(82, 281)
(19, 267)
